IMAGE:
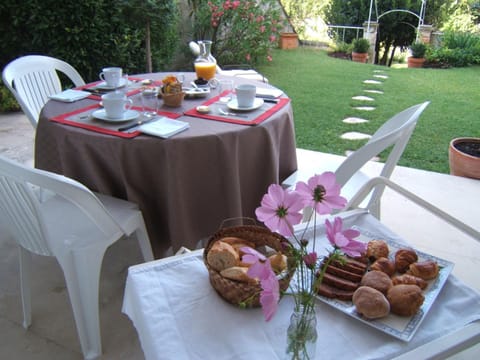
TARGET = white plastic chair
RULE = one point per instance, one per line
(233, 70)
(33, 78)
(395, 132)
(51, 215)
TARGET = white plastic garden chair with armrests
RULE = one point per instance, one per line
(51, 215)
(395, 132)
(33, 78)
(458, 340)
(243, 71)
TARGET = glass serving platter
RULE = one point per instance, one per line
(400, 327)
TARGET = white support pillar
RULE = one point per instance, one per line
(370, 33)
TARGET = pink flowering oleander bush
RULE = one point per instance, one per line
(280, 210)
(242, 31)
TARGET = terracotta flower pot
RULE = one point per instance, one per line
(359, 57)
(464, 157)
(288, 41)
(415, 62)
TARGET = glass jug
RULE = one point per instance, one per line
(205, 64)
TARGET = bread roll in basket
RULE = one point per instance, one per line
(243, 293)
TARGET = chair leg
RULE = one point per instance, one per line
(25, 259)
(144, 241)
(82, 268)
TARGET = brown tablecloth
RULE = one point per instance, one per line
(185, 185)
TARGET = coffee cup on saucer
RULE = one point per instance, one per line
(245, 95)
(116, 104)
(112, 76)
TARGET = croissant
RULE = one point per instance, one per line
(426, 270)
(409, 280)
(403, 259)
(377, 249)
(384, 265)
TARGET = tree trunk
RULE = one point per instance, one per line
(148, 49)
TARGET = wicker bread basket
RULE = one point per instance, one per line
(240, 293)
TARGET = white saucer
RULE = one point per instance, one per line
(127, 115)
(103, 85)
(233, 105)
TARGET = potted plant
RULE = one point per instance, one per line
(360, 50)
(464, 157)
(418, 50)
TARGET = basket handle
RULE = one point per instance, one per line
(240, 218)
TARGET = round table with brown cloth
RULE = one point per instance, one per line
(185, 185)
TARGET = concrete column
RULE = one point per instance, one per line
(370, 33)
(425, 33)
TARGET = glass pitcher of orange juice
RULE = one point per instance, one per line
(205, 64)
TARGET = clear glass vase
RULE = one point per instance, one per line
(302, 333)
(205, 64)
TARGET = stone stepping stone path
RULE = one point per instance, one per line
(363, 98)
(353, 135)
(373, 91)
(354, 120)
(364, 108)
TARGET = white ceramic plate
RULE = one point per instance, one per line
(233, 105)
(127, 115)
(401, 327)
(196, 92)
(103, 85)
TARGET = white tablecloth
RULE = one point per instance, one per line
(178, 315)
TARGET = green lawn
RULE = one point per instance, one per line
(321, 89)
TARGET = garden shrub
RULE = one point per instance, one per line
(88, 34)
(242, 31)
(457, 49)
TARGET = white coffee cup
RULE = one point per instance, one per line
(245, 95)
(116, 104)
(112, 76)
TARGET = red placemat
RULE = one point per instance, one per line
(253, 117)
(137, 87)
(82, 118)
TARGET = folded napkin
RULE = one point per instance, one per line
(268, 93)
(70, 95)
(164, 127)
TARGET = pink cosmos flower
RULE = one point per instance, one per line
(248, 57)
(272, 38)
(236, 4)
(261, 269)
(280, 210)
(343, 240)
(269, 58)
(262, 28)
(321, 193)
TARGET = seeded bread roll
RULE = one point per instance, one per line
(405, 300)
(278, 262)
(377, 280)
(370, 302)
(222, 256)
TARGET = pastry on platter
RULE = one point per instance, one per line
(370, 302)
(405, 299)
(426, 270)
(403, 259)
(377, 249)
(409, 279)
(385, 265)
(377, 280)
(237, 273)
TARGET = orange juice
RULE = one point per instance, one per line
(205, 70)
